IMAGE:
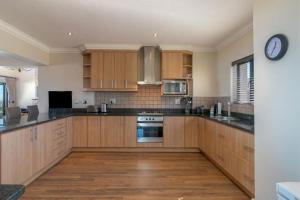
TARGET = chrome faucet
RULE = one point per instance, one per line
(229, 109)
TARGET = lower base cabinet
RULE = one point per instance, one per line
(112, 131)
(232, 150)
(174, 132)
(26, 152)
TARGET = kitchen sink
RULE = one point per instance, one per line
(225, 118)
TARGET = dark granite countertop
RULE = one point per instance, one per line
(11, 192)
(26, 121)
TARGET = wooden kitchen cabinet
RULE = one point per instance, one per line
(130, 136)
(69, 130)
(94, 130)
(16, 156)
(131, 72)
(120, 70)
(96, 73)
(110, 70)
(174, 132)
(80, 135)
(233, 150)
(225, 147)
(172, 65)
(176, 65)
(210, 139)
(244, 155)
(201, 129)
(112, 131)
(191, 132)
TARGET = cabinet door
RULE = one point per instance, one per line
(108, 70)
(244, 156)
(120, 69)
(172, 65)
(191, 132)
(174, 132)
(96, 70)
(225, 143)
(131, 70)
(25, 159)
(69, 133)
(38, 149)
(130, 135)
(94, 131)
(201, 130)
(112, 131)
(80, 132)
(210, 139)
(9, 158)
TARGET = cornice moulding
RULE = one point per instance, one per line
(236, 36)
(23, 36)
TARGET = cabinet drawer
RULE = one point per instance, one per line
(244, 173)
(244, 146)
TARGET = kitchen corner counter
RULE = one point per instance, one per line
(11, 192)
(26, 121)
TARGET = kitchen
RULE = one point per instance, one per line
(153, 114)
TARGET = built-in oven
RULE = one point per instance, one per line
(175, 87)
(150, 129)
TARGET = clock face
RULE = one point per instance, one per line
(276, 47)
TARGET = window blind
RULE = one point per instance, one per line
(243, 82)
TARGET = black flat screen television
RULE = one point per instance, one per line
(60, 99)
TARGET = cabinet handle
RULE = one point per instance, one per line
(249, 179)
(249, 149)
(221, 136)
(126, 84)
(101, 84)
(112, 83)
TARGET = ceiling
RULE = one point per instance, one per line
(199, 23)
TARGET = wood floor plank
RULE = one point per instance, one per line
(134, 176)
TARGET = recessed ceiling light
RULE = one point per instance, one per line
(154, 34)
(70, 33)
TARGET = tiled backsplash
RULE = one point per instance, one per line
(146, 97)
(150, 97)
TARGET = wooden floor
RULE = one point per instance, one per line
(134, 176)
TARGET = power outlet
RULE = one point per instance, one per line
(113, 101)
(177, 101)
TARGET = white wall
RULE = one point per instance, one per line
(11, 43)
(277, 94)
(64, 73)
(239, 49)
(204, 75)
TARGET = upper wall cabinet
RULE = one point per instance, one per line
(110, 70)
(177, 65)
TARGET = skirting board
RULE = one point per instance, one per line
(138, 149)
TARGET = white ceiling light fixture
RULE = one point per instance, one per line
(155, 35)
(70, 34)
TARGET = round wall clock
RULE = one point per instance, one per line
(276, 47)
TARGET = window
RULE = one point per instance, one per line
(2, 99)
(242, 76)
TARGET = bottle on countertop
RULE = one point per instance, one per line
(219, 108)
(216, 109)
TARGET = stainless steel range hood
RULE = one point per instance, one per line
(149, 66)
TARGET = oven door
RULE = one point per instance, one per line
(174, 87)
(149, 132)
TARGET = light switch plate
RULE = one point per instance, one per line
(113, 101)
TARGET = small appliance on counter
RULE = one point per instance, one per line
(92, 109)
(104, 108)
